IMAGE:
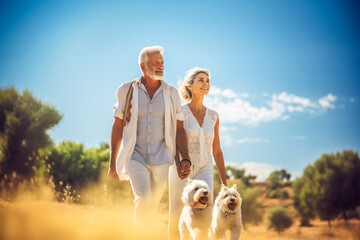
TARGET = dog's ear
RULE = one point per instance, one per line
(185, 198)
(223, 186)
(187, 195)
(234, 187)
(217, 200)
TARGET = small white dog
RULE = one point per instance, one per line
(195, 218)
(227, 214)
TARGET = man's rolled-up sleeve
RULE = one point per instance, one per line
(119, 106)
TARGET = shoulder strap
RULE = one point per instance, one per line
(128, 102)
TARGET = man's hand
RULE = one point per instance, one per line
(113, 174)
(183, 169)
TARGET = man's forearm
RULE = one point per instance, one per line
(115, 142)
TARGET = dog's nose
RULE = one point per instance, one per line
(232, 200)
(205, 193)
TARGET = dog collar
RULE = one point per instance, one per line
(227, 213)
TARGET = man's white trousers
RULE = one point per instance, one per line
(147, 183)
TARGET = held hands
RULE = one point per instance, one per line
(183, 168)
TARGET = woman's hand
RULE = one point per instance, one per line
(183, 168)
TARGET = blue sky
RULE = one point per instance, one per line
(285, 74)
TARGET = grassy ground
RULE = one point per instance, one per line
(52, 220)
(27, 218)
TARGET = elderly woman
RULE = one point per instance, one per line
(201, 125)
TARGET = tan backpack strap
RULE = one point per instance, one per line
(128, 103)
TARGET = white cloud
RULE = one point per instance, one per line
(225, 128)
(239, 110)
(261, 170)
(290, 98)
(234, 109)
(228, 93)
(244, 95)
(326, 101)
(291, 108)
(226, 140)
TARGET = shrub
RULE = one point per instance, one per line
(279, 219)
(285, 194)
(251, 208)
(272, 194)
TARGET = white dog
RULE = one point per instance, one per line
(227, 214)
(195, 218)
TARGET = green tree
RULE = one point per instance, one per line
(328, 187)
(304, 195)
(273, 182)
(326, 204)
(24, 122)
(283, 174)
(279, 219)
(348, 182)
(70, 164)
(239, 173)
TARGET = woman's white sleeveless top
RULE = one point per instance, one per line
(200, 139)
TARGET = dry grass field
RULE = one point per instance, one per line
(30, 219)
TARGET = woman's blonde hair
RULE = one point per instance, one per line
(188, 80)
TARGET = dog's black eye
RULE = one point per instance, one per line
(226, 195)
(196, 189)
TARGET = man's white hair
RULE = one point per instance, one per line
(143, 56)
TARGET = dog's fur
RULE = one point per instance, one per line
(226, 214)
(195, 218)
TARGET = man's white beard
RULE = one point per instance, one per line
(153, 74)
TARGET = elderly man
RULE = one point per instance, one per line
(143, 145)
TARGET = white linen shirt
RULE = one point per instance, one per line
(172, 114)
(150, 147)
